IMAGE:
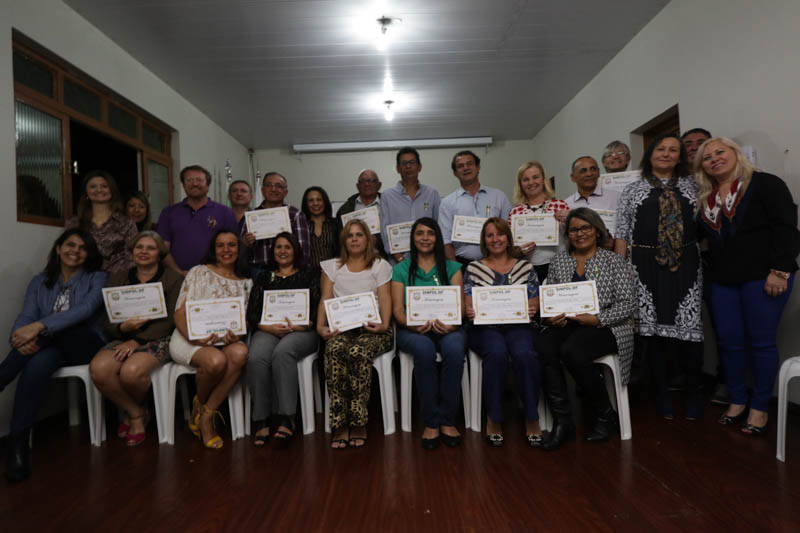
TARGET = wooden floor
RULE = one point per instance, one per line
(674, 475)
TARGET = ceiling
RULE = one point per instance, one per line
(277, 72)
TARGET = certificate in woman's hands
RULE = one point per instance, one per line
(370, 215)
(351, 312)
(204, 317)
(288, 304)
(503, 304)
(266, 223)
(569, 298)
(467, 229)
(399, 237)
(540, 229)
(135, 301)
(431, 303)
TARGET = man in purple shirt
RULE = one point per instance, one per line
(274, 189)
(187, 227)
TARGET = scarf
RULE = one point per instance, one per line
(670, 223)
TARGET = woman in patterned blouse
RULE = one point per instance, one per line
(534, 195)
(101, 213)
(576, 341)
(750, 222)
(323, 227)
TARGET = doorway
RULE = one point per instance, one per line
(92, 150)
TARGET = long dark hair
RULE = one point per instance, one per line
(241, 267)
(85, 205)
(438, 251)
(328, 211)
(93, 258)
(297, 260)
(680, 170)
(147, 223)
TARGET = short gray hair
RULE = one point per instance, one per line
(614, 145)
(162, 247)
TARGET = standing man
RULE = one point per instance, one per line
(368, 195)
(471, 199)
(409, 199)
(585, 175)
(240, 195)
(274, 189)
(692, 140)
(187, 227)
(616, 157)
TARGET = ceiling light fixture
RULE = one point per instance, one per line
(389, 113)
(383, 39)
(391, 145)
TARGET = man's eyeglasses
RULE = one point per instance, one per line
(278, 186)
(409, 163)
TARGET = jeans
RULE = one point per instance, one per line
(438, 393)
(496, 345)
(73, 346)
(747, 319)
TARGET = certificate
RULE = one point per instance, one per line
(135, 301)
(467, 229)
(609, 217)
(266, 223)
(288, 304)
(540, 229)
(569, 298)
(430, 303)
(204, 317)
(618, 180)
(350, 312)
(369, 215)
(503, 304)
(399, 237)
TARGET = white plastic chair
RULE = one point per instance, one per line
(476, 396)
(618, 393)
(165, 411)
(383, 365)
(94, 401)
(789, 369)
(406, 373)
(310, 394)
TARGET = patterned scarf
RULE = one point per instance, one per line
(670, 223)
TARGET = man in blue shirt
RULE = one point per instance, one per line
(409, 199)
(471, 199)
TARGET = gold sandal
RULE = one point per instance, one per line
(192, 423)
(215, 442)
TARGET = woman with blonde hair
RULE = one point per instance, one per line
(750, 222)
(534, 195)
(349, 354)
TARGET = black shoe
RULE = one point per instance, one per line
(607, 425)
(451, 441)
(562, 432)
(495, 439)
(18, 462)
(726, 420)
(431, 444)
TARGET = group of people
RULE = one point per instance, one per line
(648, 275)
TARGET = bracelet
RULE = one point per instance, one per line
(779, 273)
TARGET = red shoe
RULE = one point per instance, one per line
(123, 429)
(135, 439)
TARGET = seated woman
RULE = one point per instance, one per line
(438, 394)
(496, 344)
(276, 348)
(138, 210)
(576, 341)
(323, 226)
(750, 221)
(219, 359)
(121, 370)
(348, 355)
(59, 325)
(100, 212)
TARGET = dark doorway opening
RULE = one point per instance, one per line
(92, 150)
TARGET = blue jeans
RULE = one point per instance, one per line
(496, 345)
(746, 319)
(438, 395)
(72, 346)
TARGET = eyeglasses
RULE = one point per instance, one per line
(581, 229)
(620, 154)
(368, 182)
(278, 186)
(409, 163)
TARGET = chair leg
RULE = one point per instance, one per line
(236, 409)
(784, 377)
(327, 413)
(466, 397)
(406, 373)
(476, 385)
(248, 405)
(305, 381)
(317, 388)
(187, 410)
(74, 402)
(387, 386)
(160, 381)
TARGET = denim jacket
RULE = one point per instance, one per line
(85, 300)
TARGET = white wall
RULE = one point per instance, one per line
(731, 66)
(337, 172)
(58, 28)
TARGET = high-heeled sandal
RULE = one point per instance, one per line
(135, 439)
(192, 423)
(261, 440)
(123, 429)
(215, 442)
